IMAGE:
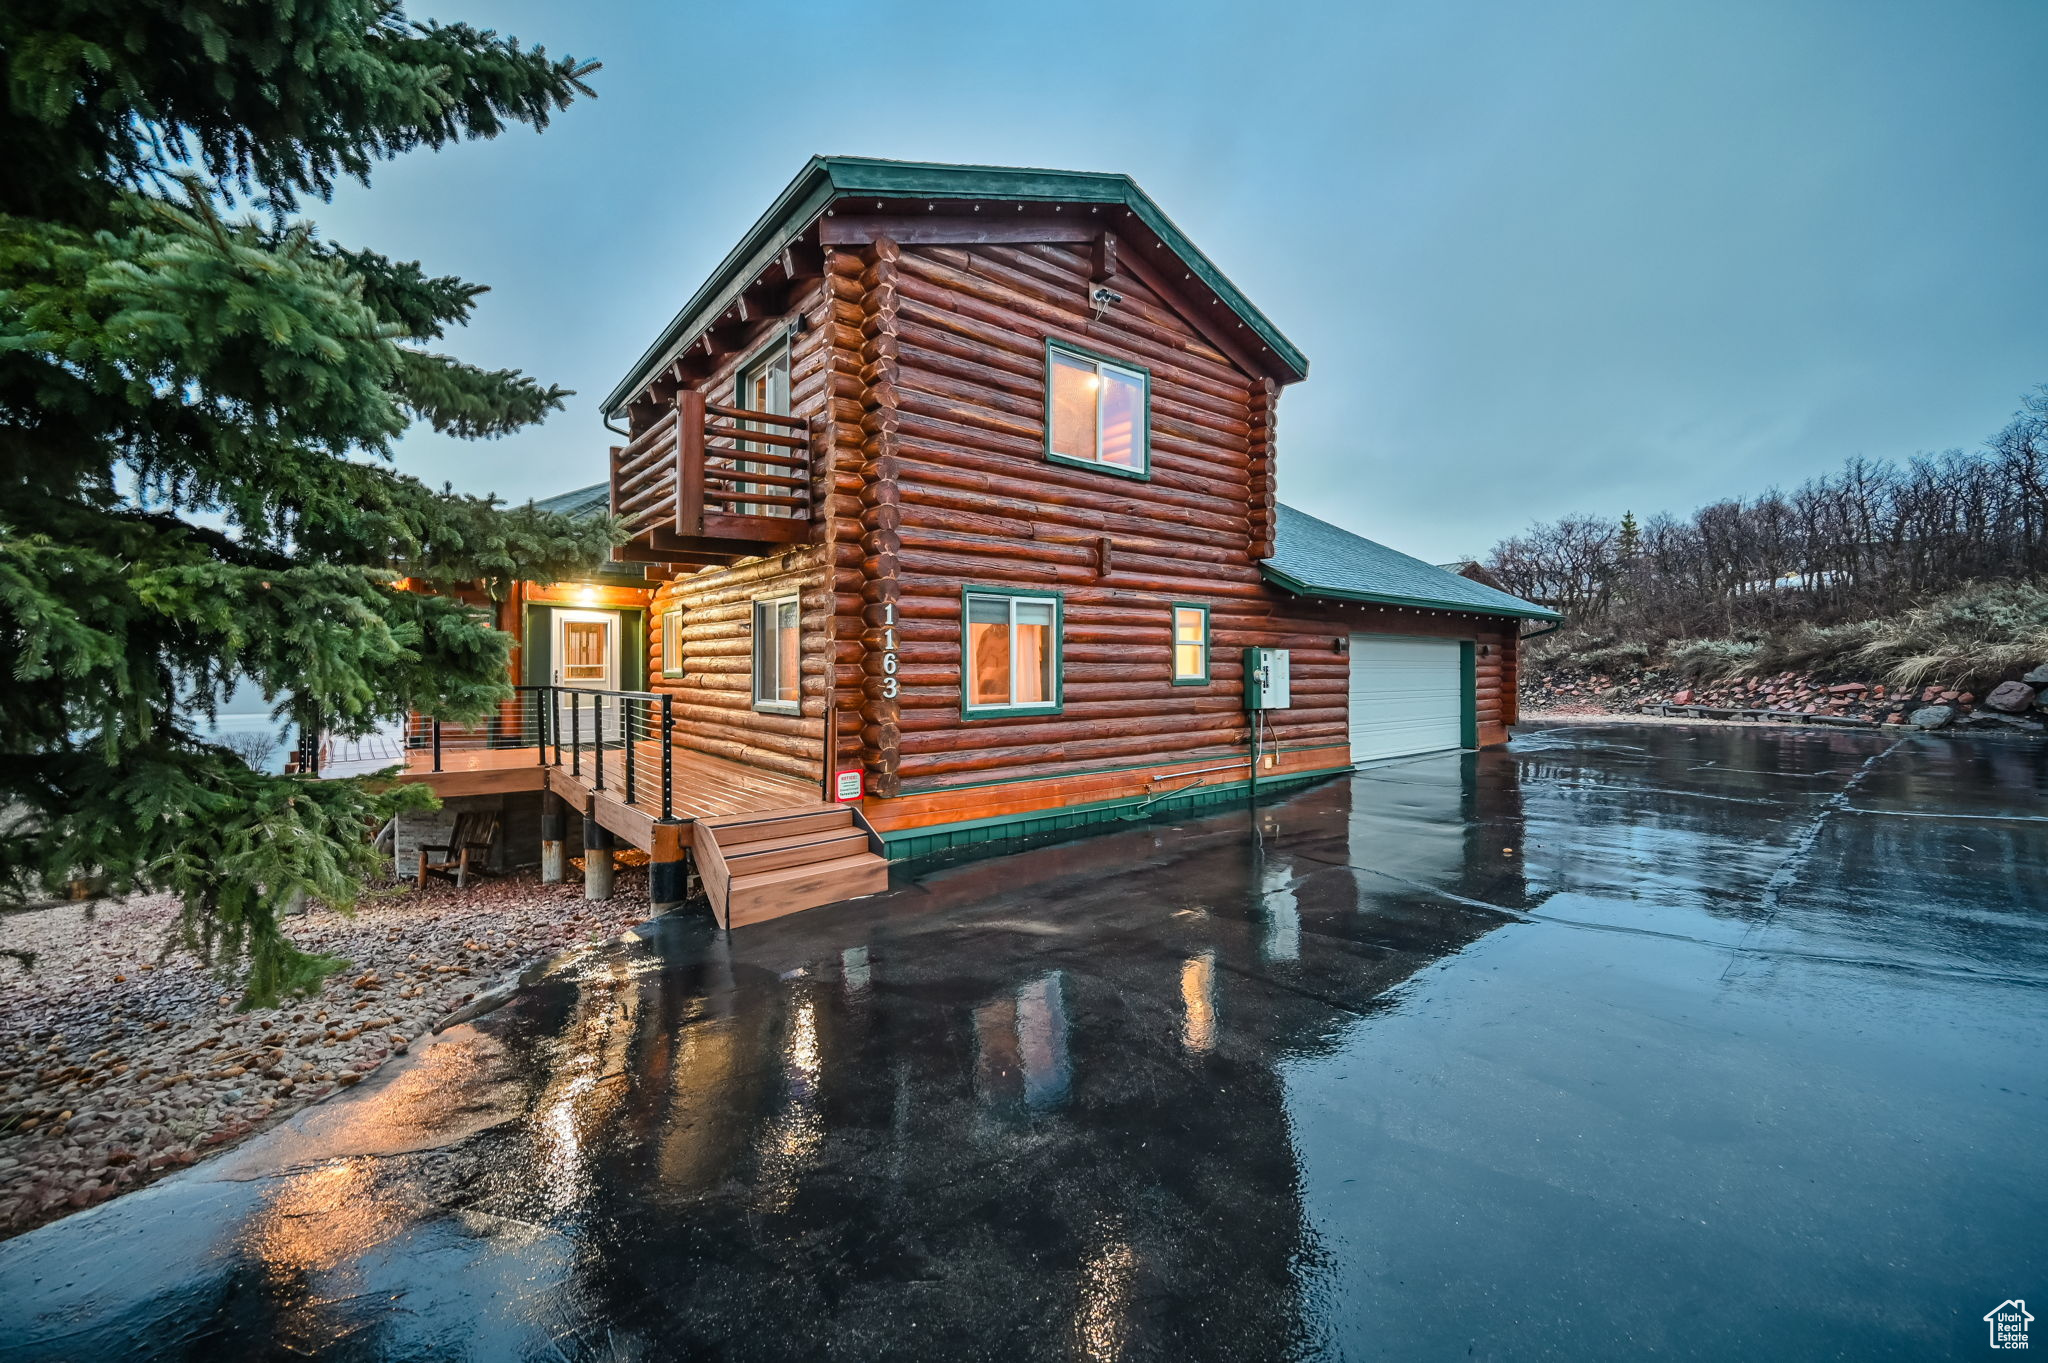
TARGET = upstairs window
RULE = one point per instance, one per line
(1012, 645)
(1097, 412)
(672, 642)
(778, 659)
(1190, 645)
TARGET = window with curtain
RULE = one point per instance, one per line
(1096, 411)
(778, 671)
(1190, 644)
(1012, 645)
(672, 642)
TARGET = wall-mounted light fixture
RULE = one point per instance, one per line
(1341, 644)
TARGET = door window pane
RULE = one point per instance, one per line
(763, 387)
(586, 646)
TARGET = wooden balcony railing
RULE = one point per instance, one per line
(711, 479)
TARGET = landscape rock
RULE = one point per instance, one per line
(1988, 719)
(2038, 678)
(115, 1066)
(1933, 716)
(2014, 698)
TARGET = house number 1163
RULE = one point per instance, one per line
(890, 685)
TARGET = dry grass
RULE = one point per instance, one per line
(1969, 638)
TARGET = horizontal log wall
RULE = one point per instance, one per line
(922, 369)
(980, 504)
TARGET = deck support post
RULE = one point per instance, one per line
(554, 828)
(597, 860)
(667, 877)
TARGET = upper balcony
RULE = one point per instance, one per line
(711, 484)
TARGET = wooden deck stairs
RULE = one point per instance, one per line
(765, 864)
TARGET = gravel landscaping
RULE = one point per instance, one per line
(121, 1059)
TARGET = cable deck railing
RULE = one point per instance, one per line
(620, 743)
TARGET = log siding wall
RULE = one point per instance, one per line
(980, 503)
(922, 370)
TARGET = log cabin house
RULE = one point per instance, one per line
(953, 509)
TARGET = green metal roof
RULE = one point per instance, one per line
(1314, 558)
(595, 500)
(827, 178)
(584, 501)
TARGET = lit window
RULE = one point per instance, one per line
(1190, 644)
(672, 642)
(1096, 412)
(778, 669)
(1013, 653)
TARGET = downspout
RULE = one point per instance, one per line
(1551, 628)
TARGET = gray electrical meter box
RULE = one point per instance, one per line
(1265, 679)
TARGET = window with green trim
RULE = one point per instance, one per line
(1190, 645)
(672, 642)
(1010, 642)
(1097, 411)
(778, 656)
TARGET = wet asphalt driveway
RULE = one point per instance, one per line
(1625, 1041)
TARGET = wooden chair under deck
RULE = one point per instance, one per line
(465, 853)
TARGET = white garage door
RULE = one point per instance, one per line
(1407, 696)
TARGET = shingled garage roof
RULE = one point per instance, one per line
(1315, 558)
(826, 179)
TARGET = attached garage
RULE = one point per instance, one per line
(1432, 654)
(1407, 695)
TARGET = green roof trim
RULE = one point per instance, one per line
(1314, 558)
(827, 178)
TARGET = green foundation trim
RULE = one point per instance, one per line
(924, 842)
(1199, 759)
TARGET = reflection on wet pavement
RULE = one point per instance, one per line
(1625, 1040)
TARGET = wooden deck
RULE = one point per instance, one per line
(764, 845)
(705, 787)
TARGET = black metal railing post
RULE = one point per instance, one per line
(437, 745)
(626, 730)
(668, 756)
(575, 737)
(597, 733)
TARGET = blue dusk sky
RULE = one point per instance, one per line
(1543, 258)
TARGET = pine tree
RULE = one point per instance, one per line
(1629, 541)
(198, 396)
